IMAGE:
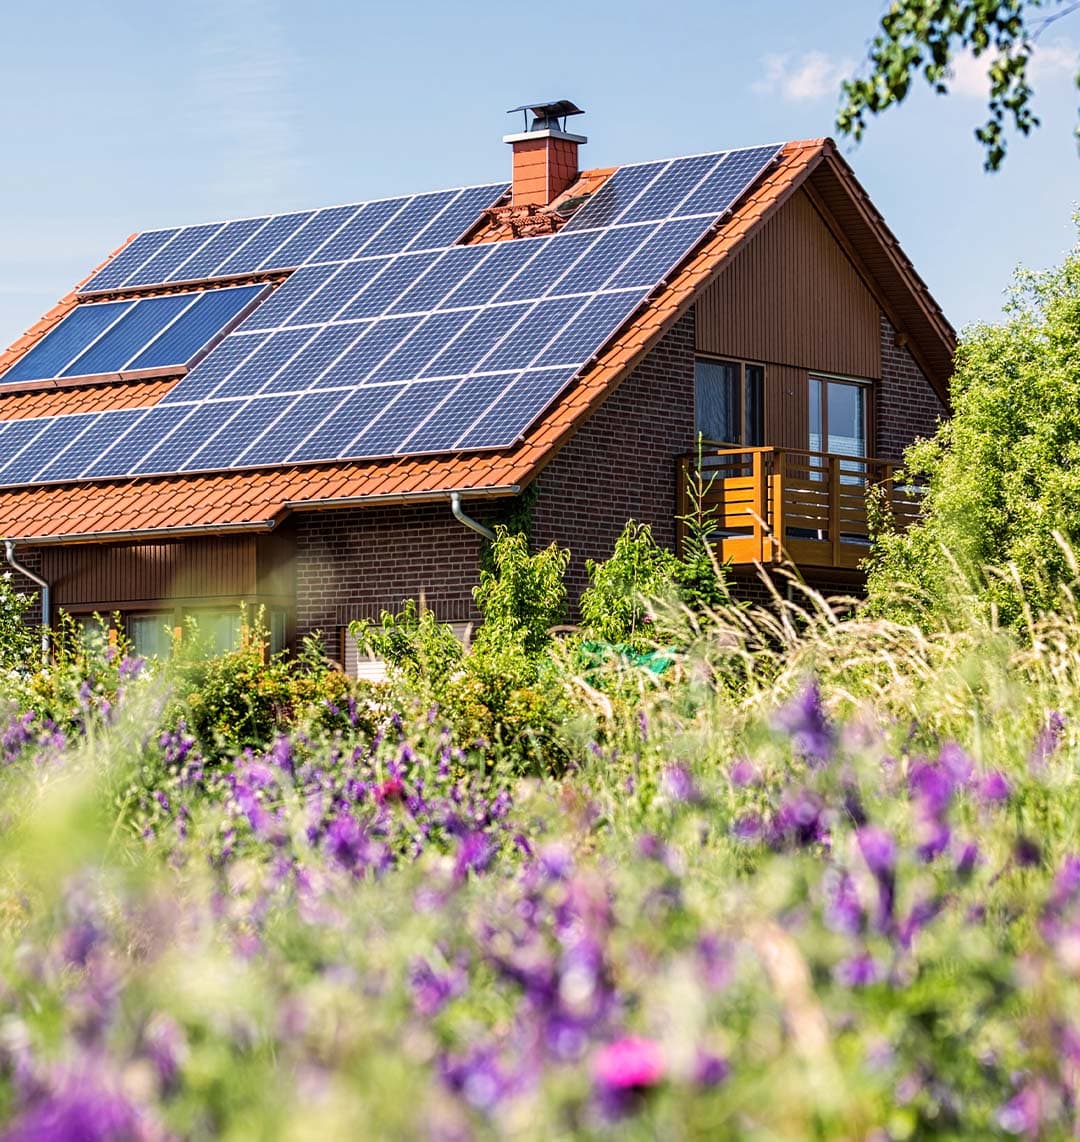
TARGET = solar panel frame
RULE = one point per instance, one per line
(130, 257)
(70, 462)
(78, 331)
(177, 250)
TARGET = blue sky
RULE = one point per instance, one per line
(121, 115)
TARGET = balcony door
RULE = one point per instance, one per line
(838, 417)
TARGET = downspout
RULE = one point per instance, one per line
(46, 595)
(468, 521)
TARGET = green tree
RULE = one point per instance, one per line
(1003, 474)
(923, 37)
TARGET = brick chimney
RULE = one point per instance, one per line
(545, 153)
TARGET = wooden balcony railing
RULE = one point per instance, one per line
(764, 505)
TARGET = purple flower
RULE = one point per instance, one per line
(1066, 884)
(82, 1110)
(932, 787)
(1022, 1114)
(803, 717)
(800, 819)
(843, 911)
(1048, 742)
(744, 773)
(556, 860)
(346, 842)
(476, 1076)
(994, 787)
(967, 859)
(878, 850)
(475, 853)
(677, 782)
(748, 827)
(430, 990)
(857, 971)
(1026, 852)
(166, 1047)
(710, 1069)
(957, 764)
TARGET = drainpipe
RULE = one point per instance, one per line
(468, 521)
(46, 595)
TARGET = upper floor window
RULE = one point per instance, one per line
(838, 416)
(729, 402)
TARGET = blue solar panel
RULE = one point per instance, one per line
(139, 438)
(613, 197)
(370, 349)
(728, 181)
(605, 259)
(219, 364)
(592, 326)
(360, 230)
(663, 196)
(19, 434)
(412, 355)
(515, 409)
(385, 289)
(490, 275)
(379, 339)
(402, 228)
(444, 275)
(196, 327)
(351, 417)
(288, 297)
(487, 329)
(307, 412)
(139, 250)
(172, 254)
(51, 355)
(69, 464)
(534, 334)
(317, 230)
(142, 322)
(56, 433)
(665, 249)
(319, 354)
(222, 245)
(467, 402)
(458, 217)
(176, 449)
(554, 256)
(258, 369)
(258, 252)
(385, 436)
(349, 280)
(251, 419)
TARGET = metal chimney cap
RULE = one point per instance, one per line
(546, 116)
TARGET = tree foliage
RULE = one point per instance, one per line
(1004, 473)
(923, 37)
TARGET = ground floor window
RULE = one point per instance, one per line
(150, 633)
(217, 630)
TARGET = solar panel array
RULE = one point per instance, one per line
(388, 340)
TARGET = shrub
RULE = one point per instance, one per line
(1003, 475)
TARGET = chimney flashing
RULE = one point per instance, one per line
(547, 133)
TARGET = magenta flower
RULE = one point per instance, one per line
(632, 1063)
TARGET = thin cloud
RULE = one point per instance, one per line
(802, 78)
(970, 75)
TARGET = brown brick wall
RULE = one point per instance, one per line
(354, 563)
(30, 559)
(622, 464)
(907, 406)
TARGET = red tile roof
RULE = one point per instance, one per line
(260, 499)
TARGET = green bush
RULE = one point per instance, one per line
(1003, 475)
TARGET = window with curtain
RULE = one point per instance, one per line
(729, 402)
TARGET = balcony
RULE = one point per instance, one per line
(769, 505)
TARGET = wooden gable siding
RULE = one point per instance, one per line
(115, 576)
(792, 300)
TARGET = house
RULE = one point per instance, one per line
(322, 412)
